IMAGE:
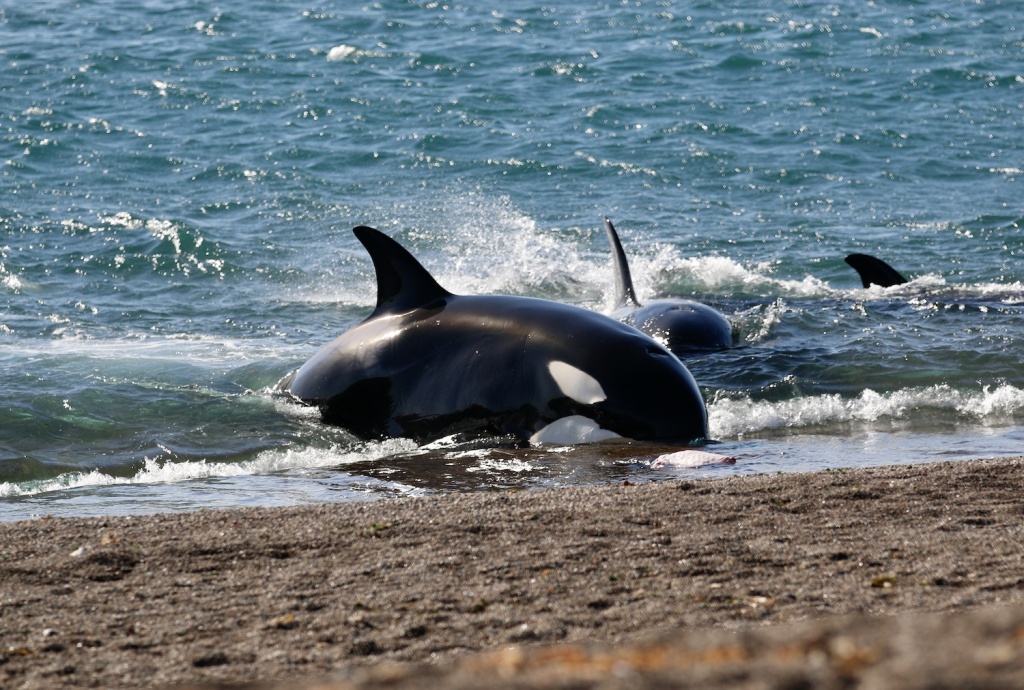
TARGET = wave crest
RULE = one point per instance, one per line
(735, 417)
(155, 471)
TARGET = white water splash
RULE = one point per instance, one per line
(341, 52)
(756, 324)
(9, 280)
(663, 270)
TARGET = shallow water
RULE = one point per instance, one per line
(178, 185)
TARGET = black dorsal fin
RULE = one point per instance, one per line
(402, 282)
(624, 294)
(874, 271)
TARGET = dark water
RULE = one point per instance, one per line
(178, 184)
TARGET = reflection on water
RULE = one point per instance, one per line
(502, 468)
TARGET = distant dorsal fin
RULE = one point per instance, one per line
(624, 294)
(402, 282)
(874, 271)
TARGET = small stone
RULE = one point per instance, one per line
(210, 659)
(415, 631)
(883, 581)
(286, 622)
(365, 648)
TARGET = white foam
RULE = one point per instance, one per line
(9, 280)
(733, 417)
(493, 464)
(267, 462)
(142, 349)
(341, 52)
(453, 233)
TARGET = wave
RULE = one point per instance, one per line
(158, 245)
(134, 350)
(117, 246)
(731, 417)
(160, 472)
(932, 288)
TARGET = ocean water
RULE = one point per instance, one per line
(179, 180)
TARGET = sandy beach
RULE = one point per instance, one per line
(904, 576)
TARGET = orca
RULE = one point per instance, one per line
(428, 364)
(683, 326)
(873, 271)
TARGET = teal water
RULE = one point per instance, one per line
(178, 184)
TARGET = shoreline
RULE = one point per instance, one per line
(347, 591)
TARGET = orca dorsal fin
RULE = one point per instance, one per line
(625, 296)
(402, 282)
(874, 271)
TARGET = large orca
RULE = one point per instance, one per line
(683, 326)
(428, 364)
(873, 271)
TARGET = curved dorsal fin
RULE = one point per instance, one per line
(624, 294)
(874, 271)
(402, 282)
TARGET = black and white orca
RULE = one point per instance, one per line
(428, 364)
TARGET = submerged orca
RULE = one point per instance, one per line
(873, 271)
(428, 364)
(684, 326)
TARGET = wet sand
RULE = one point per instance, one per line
(906, 576)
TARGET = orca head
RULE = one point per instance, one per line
(632, 386)
(684, 326)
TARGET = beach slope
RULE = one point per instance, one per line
(766, 581)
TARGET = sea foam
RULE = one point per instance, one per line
(735, 417)
(160, 472)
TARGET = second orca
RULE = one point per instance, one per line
(683, 326)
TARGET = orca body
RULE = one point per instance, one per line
(873, 271)
(683, 326)
(428, 364)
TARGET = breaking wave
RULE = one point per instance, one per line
(732, 417)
